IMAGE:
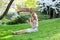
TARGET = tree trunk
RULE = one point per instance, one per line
(59, 14)
(6, 11)
(51, 13)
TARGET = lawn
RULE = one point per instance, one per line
(48, 30)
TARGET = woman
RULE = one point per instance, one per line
(33, 21)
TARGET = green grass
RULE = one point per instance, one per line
(48, 30)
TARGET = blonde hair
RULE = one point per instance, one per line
(33, 16)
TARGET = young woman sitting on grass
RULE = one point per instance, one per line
(33, 21)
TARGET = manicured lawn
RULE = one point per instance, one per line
(48, 30)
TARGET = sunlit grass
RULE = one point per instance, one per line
(9, 36)
(56, 37)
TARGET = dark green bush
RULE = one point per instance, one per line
(21, 19)
(42, 16)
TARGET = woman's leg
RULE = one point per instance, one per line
(25, 31)
(20, 32)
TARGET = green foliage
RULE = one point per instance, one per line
(42, 16)
(21, 19)
(30, 3)
(2, 3)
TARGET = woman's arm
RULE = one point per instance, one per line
(30, 21)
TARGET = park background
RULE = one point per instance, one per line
(48, 12)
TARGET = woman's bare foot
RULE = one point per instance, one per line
(14, 33)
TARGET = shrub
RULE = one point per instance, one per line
(42, 16)
(20, 19)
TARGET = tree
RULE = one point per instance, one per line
(30, 3)
(6, 11)
(51, 7)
